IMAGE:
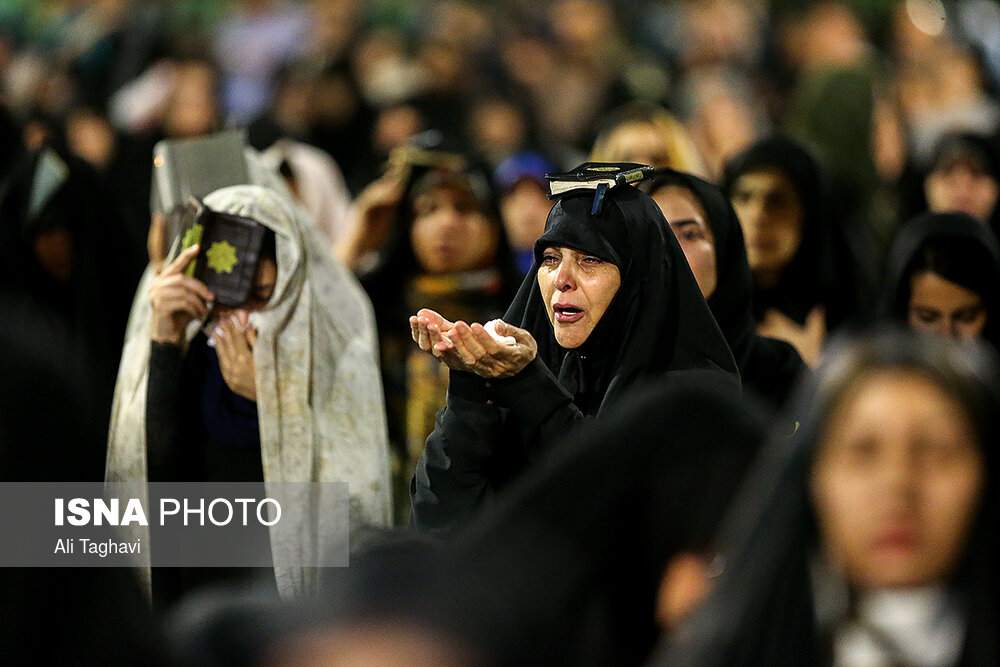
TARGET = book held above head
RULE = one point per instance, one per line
(598, 176)
(185, 169)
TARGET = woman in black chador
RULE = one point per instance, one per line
(806, 277)
(868, 537)
(65, 267)
(592, 554)
(943, 278)
(710, 236)
(610, 300)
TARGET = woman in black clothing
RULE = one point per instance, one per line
(610, 300)
(710, 236)
(943, 277)
(868, 537)
(963, 175)
(805, 281)
(586, 560)
(65, 265)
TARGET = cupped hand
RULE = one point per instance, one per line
(420, 327)
(472, 349)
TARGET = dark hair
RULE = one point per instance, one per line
(959, 260)
(268, 248)
(962, 261)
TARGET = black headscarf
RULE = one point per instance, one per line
(973, 261)
(814, 275)
(657, 321)
(767, 366)
(50, 431)
(761, 610)
(566, 569)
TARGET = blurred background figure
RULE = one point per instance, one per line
(962, 175)
(50, 432)
(943, 277)
(868, 537)
(805, 283)
(68, 262)
(709, 233)
(609, 542)
(279, 31)
(524, 202)
(647, 134)
(434, 223)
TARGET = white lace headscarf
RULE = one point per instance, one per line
(319, 394)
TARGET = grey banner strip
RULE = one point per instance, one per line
(88, 524)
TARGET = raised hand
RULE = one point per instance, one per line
(177, 299)
(373, 213)
(234, 343)
(807, 339)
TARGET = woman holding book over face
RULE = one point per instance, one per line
(609, 301)
(278, 383)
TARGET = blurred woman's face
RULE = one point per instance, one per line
(896, 483)
(450, 232)
(687, 221)
(770, 212)
(962, 187)
(193, 109)
(577, 289)
(943, 308)
(639, 142)
(54, 252)
(524, 210)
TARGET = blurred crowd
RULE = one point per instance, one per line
(824, 167)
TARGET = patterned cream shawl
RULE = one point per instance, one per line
(320, 402)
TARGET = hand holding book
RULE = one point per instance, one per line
(177, 299)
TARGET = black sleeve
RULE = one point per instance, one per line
(453, 477)
(163, 396)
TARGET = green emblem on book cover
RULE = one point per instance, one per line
(191, 237)
(221, 257)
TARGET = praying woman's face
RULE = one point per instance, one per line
(687, 221)
(577, 289)
(940, 307)
(770, 212)
(897, 481)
